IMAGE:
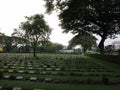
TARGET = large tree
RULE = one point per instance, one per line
(87, 41)
(101, 17)
(35, 29)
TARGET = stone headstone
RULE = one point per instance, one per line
(44, 73)
(17, 88)
(2, 70)
(52, 66)
(19, 77)
(44, 66)
(48, 79)
(57, 69)
(8, 64)
(37, 65)
(20, 71)
(30, 68)
(31, 72)
(13, 67)
(21, 67)
(6, 76)
(1, 87)
(48, 69)
(15, 64)
(29, 65)
(40, 68)
(54, 73)
(10, 71)
(33, 78)
(5, 66)
(37, 89)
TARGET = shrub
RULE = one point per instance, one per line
(105, 80)
(1, 74)
(12, 77)
(89, 80)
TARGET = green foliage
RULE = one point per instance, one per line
(87, 41)
(35, 30)
(1, 74)
(100, 17)
(50, 47)
(21, 45)
(6, 42)
(12, 44)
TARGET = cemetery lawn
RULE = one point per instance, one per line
(105, 63)
(58, 72)
(26, 85)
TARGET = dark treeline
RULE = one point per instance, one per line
(12, 44)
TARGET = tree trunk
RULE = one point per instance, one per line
(101, 45)
(34, 49)
(84, 50)
(34, 55)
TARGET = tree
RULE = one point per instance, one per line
(6, 42)
(2, 39)
(101, 17)
(11, 44)
(50, 47)
(18, 43)
(35, 29)
(87, 41)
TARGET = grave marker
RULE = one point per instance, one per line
(17, 88)
(33, 78)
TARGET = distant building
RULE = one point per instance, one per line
(116, 45)
(66, 51)
(114, 48)
(75, 51)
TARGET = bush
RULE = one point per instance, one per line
(89, 80)
(1, 74)
(12, 77)
(105, 80)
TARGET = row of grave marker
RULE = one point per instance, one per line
(17, 88)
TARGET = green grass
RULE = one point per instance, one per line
(26, 85)
(77, 68)
(106, 64)
(110, 58)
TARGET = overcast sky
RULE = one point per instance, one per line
(12, 12)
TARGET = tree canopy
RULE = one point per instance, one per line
(50, 47)
(35, 30)
(12, 44)
(87, 41)
(101, 17)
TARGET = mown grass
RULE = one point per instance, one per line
(104, 63)
(26, 85)
(110, 58)
(85, 71)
